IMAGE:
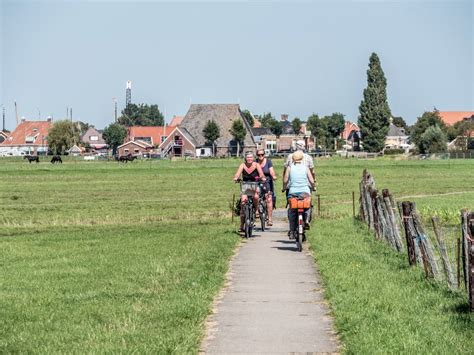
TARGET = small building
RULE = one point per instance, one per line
(351, 136)
(224, 115)
(154, 135)
(287, 141)
(29, 137)
(94, 139)
(396, 138)
(134, 148)
(180, 143)
(3, 136)
(75, 150)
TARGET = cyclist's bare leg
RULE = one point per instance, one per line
(269, 200)
(255, 201)
(243, 201)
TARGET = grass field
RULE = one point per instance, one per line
(101, 257)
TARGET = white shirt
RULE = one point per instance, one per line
(307, 160)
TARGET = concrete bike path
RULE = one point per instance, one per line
(272, 301)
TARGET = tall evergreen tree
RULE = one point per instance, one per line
(211, 133)
(238, 132)
(374, 119)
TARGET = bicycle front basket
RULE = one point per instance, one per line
(247, 187)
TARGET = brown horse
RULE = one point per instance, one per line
(56, 159)
(126, 158)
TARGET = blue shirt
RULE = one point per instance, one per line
(298, 180)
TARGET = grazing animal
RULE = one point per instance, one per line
(126, 158)
(56, 159)
(32, 158)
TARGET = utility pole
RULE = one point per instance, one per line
(115, 108)
(71, 114)
(3, 106)
(39, 114)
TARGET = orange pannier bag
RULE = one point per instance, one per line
(298, 203)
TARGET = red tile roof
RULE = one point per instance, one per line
(451, 117)
(37, 131)
(176, 120)
(154, 132)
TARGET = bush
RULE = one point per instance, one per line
(433, 140)
(394, 151)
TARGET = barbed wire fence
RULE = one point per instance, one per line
(452, 246)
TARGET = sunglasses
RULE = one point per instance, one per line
(261, 155)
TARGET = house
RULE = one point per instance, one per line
(154, 135)
(452, 117)
(29, 137)
(287, 141)
(224, 115)
(93, 138)
(75, 150)
(134, 148)
(396, 138)
(351, 135)
(180, 143)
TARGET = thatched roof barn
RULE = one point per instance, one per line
(224, 115)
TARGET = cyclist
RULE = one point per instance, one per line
(267, 168)
(298, 180)
(251, 172)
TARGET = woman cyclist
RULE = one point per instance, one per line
(298, 179)
(267, 168)
(251, 172)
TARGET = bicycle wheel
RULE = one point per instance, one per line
(299, 241)
(263, 215)
(248, 221)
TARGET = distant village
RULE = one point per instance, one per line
(183, 136)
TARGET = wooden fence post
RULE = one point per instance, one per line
(468, 234)
(319, 205)
(406, 210)
(443, 253)
(353, 205)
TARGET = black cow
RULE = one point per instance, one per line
(32, 158)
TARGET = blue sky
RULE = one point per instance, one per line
(284, 57)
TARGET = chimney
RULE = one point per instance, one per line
(23, 119)
(284, 117)
(49, 119)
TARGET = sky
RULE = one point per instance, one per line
(294, 57)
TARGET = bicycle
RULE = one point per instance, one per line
(249, 189)
(262, 205)
(299, 204)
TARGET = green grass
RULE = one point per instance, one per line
(380, 304)
(102, 257)
(97, 257)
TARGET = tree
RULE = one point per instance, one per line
(276, 127)
(248, 117)
(62, 136)
(428, 119)
(335, 125)
(239, 132)
(83, 127)
(114, 134)
(296, 125)
(374, 119)
(433, 140)
(141, 115)
(211, 134)
(316, 126)
(267, 120)
(400, 123)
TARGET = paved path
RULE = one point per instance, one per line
(272, 302)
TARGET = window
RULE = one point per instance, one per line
(143, 139)
(94, 138)
(30, 139)
(163, 138)
(126, 150)
(203, 151)
(35, 130)
(271, 145)
(136, 151)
